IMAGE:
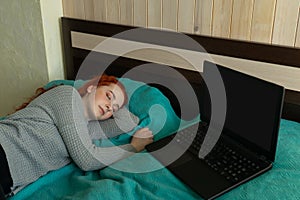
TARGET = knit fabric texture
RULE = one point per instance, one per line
(52, 131)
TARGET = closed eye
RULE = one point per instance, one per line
(109, 95)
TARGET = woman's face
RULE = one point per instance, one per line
(103, 101)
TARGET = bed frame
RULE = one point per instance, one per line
(287, 56)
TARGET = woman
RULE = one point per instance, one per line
(58, 126)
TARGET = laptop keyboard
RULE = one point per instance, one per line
(230, 164)
(223, 159)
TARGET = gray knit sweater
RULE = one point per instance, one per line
(52, 130)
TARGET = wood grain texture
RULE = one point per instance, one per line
(222, 13)
(262, 21)
(169, 14)
(74, 8)
(280, 74)
(126, 12)
(203, 17)
(266, 21)
(100, 10)
(186, 16)
(113, 11)
(89, 9)
(154, 13)
(297, 40)
(241, 19)
(140, 13)
(66, 8)
(285, 24)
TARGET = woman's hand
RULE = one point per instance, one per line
(141, 138)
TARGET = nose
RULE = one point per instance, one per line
(108, 107)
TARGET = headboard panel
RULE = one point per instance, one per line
(266, 59)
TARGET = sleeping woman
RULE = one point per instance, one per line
(58, 125)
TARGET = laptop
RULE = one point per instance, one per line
(246, 145)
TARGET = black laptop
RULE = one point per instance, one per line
(247, 144)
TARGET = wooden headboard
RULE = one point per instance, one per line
(277, 64)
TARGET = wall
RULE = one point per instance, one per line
(51, 11)
(274, 22)
(268, 21)
(26, 52)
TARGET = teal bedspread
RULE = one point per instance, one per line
(155, 111)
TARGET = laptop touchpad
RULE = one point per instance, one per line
(200, 177)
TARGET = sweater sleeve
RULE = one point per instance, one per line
(73, 129)
(86, 155)
(123, 121)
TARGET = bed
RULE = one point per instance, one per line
(160, 110)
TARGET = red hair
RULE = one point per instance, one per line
(96, 81)
(103, 80)
(38, 92)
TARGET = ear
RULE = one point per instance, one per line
(91, 88)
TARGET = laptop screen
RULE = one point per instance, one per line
(253, 109)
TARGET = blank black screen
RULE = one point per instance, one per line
(253, 108)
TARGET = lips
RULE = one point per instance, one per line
(101, 110)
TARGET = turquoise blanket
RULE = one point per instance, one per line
(155, 111)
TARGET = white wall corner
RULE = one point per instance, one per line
(51, 12)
